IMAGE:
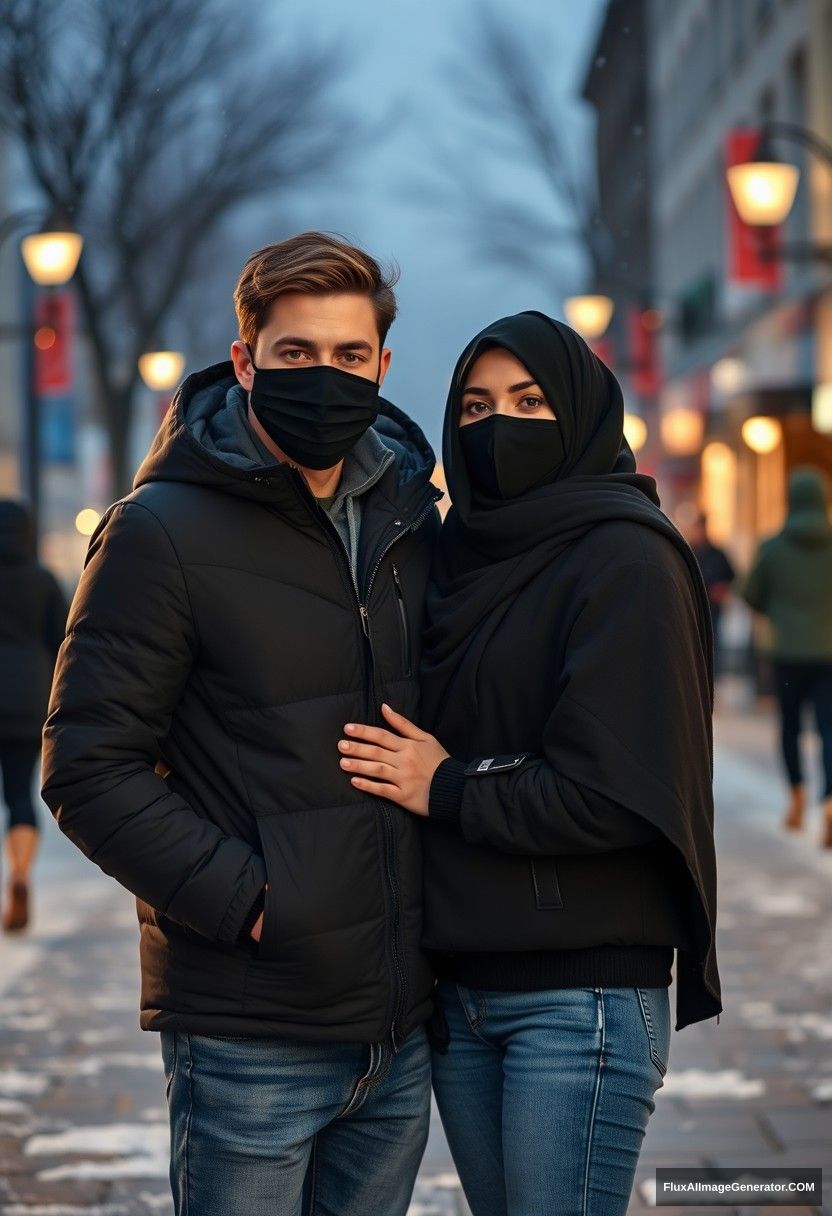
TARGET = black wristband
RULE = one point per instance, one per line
(446, 790)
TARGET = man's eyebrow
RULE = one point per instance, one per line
(306, 343)
(355, 344)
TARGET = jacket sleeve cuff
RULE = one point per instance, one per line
(252, 915)
(446, 790)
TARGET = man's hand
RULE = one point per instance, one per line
(257, 927)
(395, 766)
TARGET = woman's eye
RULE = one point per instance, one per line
(532, 403)
(476, 408)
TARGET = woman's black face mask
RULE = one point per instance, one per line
(506, 457)
(314, 414)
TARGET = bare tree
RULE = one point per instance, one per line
(504, 79)
(144, 125)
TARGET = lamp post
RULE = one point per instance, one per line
(764, 189)
(50, 255)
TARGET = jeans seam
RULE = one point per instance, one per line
(189, 1067)
(480, 1016)
(596, 1095)
(313, 1182)
(363, 1084)
(651, 1034)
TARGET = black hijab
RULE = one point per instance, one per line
(488, 552)
(490, 549)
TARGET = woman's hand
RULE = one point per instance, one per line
(395, 766)
(257, 928)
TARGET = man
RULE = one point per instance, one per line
(718, 574)
(262, 586)
(790, 583)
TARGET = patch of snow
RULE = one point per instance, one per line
(13, 1083)
(112, 1139)
(699, 1083)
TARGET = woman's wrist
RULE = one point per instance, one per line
(446, 789)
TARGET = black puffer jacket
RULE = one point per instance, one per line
(216, 647)
(32, 622)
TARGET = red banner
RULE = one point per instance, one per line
(752, 250)
(54, 317)
(643, 354)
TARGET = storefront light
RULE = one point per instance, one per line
(682, 429)
(635, 431)
(727, 375)
(762, 434)
(822, 407)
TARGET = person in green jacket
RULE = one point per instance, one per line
(790, 582)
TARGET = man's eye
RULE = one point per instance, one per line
(351, 357)
(294, 356)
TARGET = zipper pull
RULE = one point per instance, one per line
(396, 580)
(365, 620)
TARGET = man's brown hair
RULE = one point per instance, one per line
(317, 263)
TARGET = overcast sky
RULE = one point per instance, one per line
(403, 57)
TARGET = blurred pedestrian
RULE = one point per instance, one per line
(718, 574)
(790, 582)
(32, 623)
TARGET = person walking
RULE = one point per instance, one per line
(562, 770)
(32, 620)
(790, 583)
(265, 579)
(719, 575)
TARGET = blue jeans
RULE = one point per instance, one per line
(267, 1127)
(545, 1096)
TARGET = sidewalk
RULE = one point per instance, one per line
(83, 1128)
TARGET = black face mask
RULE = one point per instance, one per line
(505, 456)
(314, 414)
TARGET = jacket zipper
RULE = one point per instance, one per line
(403, 620)
(364, 618)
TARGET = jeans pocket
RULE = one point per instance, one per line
(655, 1012)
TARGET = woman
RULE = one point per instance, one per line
(566, 781)
(32, 622)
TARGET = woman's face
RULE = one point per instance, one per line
(498, 383)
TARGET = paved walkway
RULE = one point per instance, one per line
(83, 1127)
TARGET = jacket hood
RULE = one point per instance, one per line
(16, 537)
(808, 518)
(195, 442)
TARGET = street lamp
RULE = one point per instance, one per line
(764, 189)
(682, 429)
(50, 255)
(590, 315)
(161, 370)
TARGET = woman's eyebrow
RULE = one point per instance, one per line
(515, 388)
(483, 392)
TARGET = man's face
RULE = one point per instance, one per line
(303, 330)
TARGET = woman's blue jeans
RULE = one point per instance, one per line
(545, 1096)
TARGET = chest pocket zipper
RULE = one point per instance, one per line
(405, 631)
